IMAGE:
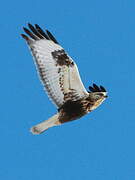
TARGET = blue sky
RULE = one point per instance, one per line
(100, 36)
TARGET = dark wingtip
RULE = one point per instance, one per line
(26, 30)
(95, 88)
(91, 89)
(29, 25)
(35, 31)
(52, 37)
(32, 35)
(37, 26)
(24, 37)
(102, 89)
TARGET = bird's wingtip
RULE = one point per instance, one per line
(25, 37)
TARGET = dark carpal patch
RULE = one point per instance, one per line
(61, 58)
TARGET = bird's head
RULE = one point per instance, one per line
(97, 95)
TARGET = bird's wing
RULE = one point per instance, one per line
(58, 72)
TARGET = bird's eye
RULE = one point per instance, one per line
(97, 96)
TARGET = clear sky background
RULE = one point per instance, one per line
(100, 37)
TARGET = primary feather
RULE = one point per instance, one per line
(57, 70)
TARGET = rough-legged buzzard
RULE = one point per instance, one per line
(60, 77)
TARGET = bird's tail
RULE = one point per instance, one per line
(41, 127)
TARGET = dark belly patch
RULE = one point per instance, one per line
(72, 110)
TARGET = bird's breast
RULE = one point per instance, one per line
(72, 110)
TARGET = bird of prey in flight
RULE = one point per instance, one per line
(60, 77)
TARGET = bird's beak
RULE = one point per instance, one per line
(105, 94)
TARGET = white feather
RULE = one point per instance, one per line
(42, 52)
